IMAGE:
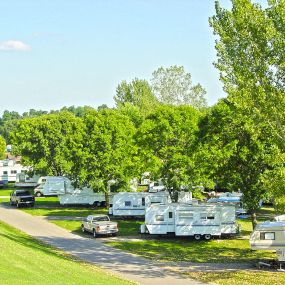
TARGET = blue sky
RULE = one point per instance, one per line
(71, 52)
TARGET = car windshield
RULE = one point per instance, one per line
(101, 219)
(23, 193)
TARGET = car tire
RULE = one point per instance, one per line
(94, 233)
(32, 205)
(82, 229)
(197, 237)
(38, 194)
(11, 203)
(207, 237)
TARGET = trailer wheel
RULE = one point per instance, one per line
(38, 194)
(197, 237)
(207, 237)
(82, 228)
(94, 233)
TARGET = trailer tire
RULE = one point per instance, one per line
(82, 228)
(207, 237)
(94, 233)
(38, 194)
(197, 237)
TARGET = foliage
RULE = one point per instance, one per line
(2, 147)
(110, 150)
(174, 86)
(165, 140)
(51, 144)
(137, 93)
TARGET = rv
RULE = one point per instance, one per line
(234, 198)
(133, 204)
(199, 220)
(270, 236)
(53, 186)
(3, 179)
(9, 168)
(24, 180)
(84, 196)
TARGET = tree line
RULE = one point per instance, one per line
(165, 127)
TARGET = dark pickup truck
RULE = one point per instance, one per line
(22, 197)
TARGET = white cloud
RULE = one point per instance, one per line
(13, 45)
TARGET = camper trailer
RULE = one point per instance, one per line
(23, 180)
(9, 168)
(53, 186)
(3, 179)
(199, 220)
(133, 204)
(84, 196)
(270, 236)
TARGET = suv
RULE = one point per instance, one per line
(22, 197)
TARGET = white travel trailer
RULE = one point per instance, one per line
(9, 168)
(84, 196)
(24, 180)
(133, 204)
(53, 185)
(199, 220)
(270, 236)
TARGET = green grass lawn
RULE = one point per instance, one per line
(24, 260)
(244, 277)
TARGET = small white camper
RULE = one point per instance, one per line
(133, 204)
(53, 185)
(199, 220)
(269, 236)
(84, 196)
(9, 168)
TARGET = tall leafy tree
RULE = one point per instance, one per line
(51, 144)
(165, 139)
(137, 93)
(110, 150)
(173, 85)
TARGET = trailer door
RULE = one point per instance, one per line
(170, 222)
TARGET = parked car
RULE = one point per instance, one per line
(99, 225)
(22, 197)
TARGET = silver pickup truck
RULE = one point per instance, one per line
(99, 225)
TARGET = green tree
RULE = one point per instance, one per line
(2, 147)
(111, 154)
(165, 139)
(237, 155)
(51, 144)
(137, 93)
(173, 85)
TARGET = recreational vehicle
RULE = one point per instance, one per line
(24, 180)
(52, 186)
(10, 168)
(199, 220)
(269, 236)
(85, 196)
(130, 204)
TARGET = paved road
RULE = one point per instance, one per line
(126, 265)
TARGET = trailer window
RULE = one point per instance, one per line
(143, 201)
(207, 216)
(5, 172)
(13, 171)
(267, 236)
(128, 203)
(170, 215)
(186, 215)
(159, 218)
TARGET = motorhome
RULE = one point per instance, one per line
(85, 196)
(53, 186)
(199, 220)
(270, 235)
(9, 168)
(23, 180)
(133, 204)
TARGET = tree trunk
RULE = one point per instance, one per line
(253, 219)
(107, 199)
